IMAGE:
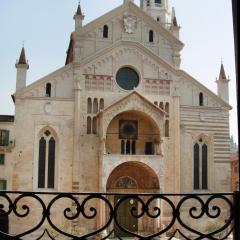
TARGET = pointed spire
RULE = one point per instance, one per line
(22, 58)
(174, 18)
(79, 11)
(78, 17)
(222, 74)
(175, 24)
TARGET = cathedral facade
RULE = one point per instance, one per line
(120, 116)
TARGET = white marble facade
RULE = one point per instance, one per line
(86, 102)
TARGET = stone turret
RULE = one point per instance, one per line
(78, 17)
(22, 67)
(222, 85)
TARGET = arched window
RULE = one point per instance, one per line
(46, 160)
(89, 105)
(48, 89)
(200, 99)
(151, 36)
(95, 105)
(200, 161)
(161, 105)
(158, 19)
(156, 103)
(128, 147)
(94, 125)
(167, 108)
(105, 31)
(204, 167)
(148, 3)
(122, 147)
(196, 166)
(89, 125)
(101, 104)
(133, 147)
(167, 128)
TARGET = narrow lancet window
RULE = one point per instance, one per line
(200, 99)
(167, 128)
(89, 125)
(167, 108)
(51, 163)
(151, 36)
(101, 104)
(46, 161)
(94, 126)
(48, 89)
(122, 147)
(200, 161)
(95, 105)
(41, 163)
(89, 105)
(105, 31)
(204, 167)
(196, 166)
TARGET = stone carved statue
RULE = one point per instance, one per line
(129, 23)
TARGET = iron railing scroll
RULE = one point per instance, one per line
(38, 215)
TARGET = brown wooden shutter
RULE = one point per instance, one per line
(5, 134)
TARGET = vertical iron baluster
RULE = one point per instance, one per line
(236, 209)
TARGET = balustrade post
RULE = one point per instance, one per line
(236, 213)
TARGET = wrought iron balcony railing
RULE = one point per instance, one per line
(38, 215)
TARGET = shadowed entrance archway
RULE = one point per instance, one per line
(132, 177)
(4, 222)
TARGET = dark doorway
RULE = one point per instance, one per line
(148, 148)
(4, 223)
(125, 218)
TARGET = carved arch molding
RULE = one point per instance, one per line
(133, 103)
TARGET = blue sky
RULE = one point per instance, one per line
(45, 28)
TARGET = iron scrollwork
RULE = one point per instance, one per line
(98, 215)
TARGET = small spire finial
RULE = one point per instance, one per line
(22, 59)
(79, 11)
(222, 74)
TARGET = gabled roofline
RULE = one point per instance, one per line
(127, 96)
(41, 80)
(128, 43)
(100, 21)
(200, 85)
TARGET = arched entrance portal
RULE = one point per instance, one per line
(132, 177)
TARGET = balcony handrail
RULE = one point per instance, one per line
(199, 205)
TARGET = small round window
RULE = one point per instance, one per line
(127, 78)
